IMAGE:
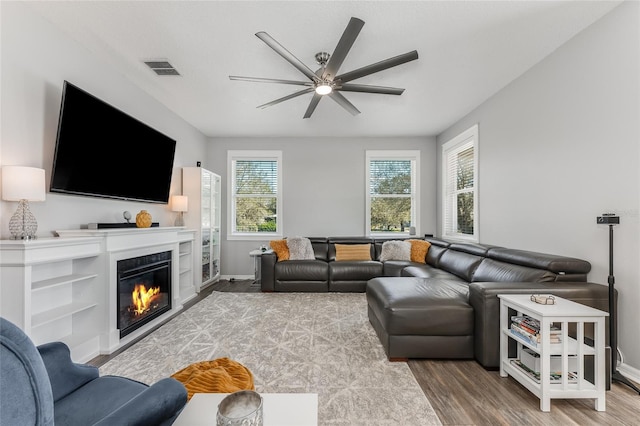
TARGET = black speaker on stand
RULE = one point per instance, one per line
(610, 219)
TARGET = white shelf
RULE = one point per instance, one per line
(185, 268)
(555, 348)
(58, 281)
(59, 312)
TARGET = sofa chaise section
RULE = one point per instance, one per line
(485, 271)
(420, 318)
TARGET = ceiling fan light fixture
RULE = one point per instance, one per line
(324, 88)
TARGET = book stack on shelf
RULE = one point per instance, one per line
(528, 329)
(554, 377)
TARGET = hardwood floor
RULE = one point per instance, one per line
(464, 393)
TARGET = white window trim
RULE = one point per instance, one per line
(451, 145)
(233, 155)
(412, 155)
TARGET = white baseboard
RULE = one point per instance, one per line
(236, 277)
(629, 372)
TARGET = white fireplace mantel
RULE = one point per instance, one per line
(65, 288)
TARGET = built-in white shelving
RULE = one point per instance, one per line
(65, 288)
(186, 274)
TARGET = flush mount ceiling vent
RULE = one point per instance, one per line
(162, 67)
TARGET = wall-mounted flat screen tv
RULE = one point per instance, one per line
(103, 152)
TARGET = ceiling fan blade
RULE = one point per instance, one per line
(312, 105)
(270, 80)
(342, 48)
(378, 66)
(288, 56)
(286, 98)
(365, 88)
(343, 102)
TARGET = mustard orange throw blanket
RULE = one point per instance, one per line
(221, 375)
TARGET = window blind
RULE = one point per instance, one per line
(460, 188)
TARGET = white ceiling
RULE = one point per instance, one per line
(468, 51)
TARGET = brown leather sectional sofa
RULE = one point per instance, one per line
(445, 308)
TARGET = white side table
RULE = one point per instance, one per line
(562, 313)
(257, 263)
(279, 409)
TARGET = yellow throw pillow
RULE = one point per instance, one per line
(419, 249)
(281, 248)
(353, 252)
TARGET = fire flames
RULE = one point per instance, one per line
(141, 298)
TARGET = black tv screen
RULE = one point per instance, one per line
(103, 152)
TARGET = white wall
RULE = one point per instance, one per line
(560, 146)
(36, 59)
(323, 187)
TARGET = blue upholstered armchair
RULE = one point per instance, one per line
(42, 386)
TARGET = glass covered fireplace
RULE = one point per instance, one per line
(144, 290)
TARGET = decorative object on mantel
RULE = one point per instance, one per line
(143, 219)
(180, 204)
(127, 216)
(23, 184)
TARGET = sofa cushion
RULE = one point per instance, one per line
(354, 271)
(96, 400)
(351, 252)
(280, 248)
(394, 268)
(550, 262)
(418, 306)
(320, 247)
(428, 271)
(302, 270)
(396, 250)
(492, 270)
(300, 249)
(459, 263)
(433, 255)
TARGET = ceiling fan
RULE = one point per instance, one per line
(326, 81)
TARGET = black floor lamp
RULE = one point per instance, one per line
(611, 220)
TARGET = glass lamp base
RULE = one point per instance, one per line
(179, 220)
(23, 224)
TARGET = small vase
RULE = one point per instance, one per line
(143, 219)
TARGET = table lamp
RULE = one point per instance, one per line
(179, 203)
(23, 184)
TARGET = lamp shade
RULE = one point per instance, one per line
(23, 183)
(179, 203)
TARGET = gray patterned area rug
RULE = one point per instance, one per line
(292, 342)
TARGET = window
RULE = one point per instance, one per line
(460, 187)
(255, 194)
(392, 192)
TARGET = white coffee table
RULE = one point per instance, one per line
(279, 409)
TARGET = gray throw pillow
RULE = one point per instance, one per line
(395, 250)
(300, 248)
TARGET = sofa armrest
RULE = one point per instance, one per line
(483, 297)
(267, 271)
(159, 404)
(65, 375)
